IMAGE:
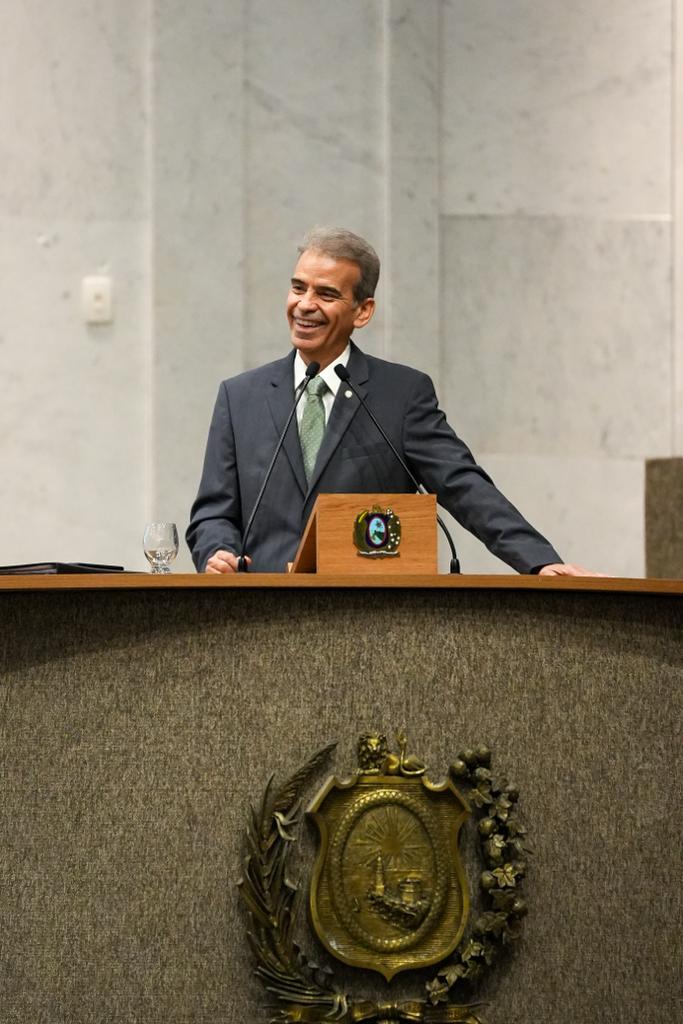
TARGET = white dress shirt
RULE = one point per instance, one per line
(328, 375)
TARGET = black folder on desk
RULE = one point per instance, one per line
(54, 568)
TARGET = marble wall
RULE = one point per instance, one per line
(557, 331)
(512, 162)
(74, 436)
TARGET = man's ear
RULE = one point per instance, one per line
(364, 313)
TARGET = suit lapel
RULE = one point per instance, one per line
(343, 411)
(280, 396)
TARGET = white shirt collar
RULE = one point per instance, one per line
(328, 374)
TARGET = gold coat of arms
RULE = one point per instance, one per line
(388, 891)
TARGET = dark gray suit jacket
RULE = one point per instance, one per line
(250, 413)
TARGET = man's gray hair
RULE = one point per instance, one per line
(344, 245)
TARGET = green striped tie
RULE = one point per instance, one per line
(312, 426)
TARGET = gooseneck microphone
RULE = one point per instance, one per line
(345, 376)
(311, 371)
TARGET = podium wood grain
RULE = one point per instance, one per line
(327, 545)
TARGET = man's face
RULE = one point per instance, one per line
(321, 309)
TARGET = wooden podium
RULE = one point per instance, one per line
(328, 546)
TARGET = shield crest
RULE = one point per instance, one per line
(388, 891)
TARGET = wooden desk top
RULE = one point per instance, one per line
(189, 581)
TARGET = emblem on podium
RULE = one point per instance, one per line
(377, 533)
(388, 891)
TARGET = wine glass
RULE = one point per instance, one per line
(160, 543)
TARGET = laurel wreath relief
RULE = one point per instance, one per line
(303, 991)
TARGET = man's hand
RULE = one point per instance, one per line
(560, 569)
(223, 561)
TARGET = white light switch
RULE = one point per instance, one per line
(96, 299)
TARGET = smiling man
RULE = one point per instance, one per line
(326, 302)
(336, 448)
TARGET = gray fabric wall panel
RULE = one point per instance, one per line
(137, 726)
(664, 518)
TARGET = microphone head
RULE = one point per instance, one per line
(341, 371)
(312, 369)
